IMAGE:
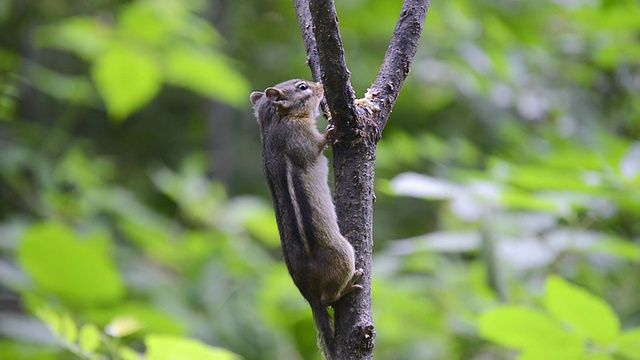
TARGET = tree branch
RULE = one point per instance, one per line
(358, 125)
(325, 55)
(397, 60)
(313, 60)
(306, 27)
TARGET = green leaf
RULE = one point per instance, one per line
(68, 330)
(586, 314)
(89, 339)
(71, 88)
(523, 328)
(167, 347)
(553, 354)
(12, 349)
(598, 357)
(126, 353)
(126, 318)
(49, 317)
(82, 170)
(127, 79)
(142, 20)
(83, 35)
(207, 73)
(535, 177)
(76, 267)
(122, 326)
(629, 344)
(517, 199)
(621, 248)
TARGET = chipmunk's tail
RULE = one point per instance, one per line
(324, 325)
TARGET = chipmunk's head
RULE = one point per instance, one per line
(293, 98)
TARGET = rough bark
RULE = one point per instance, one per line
(397, 60)
(358, 125)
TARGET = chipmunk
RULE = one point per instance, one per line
(320, 260)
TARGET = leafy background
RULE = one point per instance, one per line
(134, 218)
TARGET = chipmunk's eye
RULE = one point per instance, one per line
(302, 86)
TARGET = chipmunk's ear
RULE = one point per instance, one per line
(256, 96)
(275, 95)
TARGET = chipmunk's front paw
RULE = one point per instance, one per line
(330, 134)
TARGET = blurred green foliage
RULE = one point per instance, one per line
(134, 217)
(578, 326)
(146, 44)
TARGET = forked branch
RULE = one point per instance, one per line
(358, 124)
(325, 55)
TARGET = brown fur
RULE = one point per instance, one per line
(320, 260)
